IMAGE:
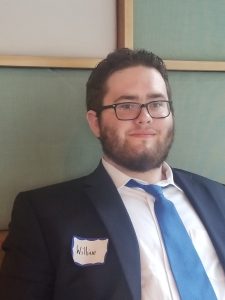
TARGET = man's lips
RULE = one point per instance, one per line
(143, 133)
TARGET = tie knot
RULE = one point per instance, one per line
(152, 189)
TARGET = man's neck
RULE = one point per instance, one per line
(150, 176)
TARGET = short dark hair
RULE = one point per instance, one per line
(120, 59)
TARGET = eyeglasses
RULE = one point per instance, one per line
(125, 111)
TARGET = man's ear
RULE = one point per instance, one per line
(93, 122)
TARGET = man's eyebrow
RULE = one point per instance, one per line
(156, 95)
(135, 97)
(126, 97)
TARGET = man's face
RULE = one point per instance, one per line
(141, 144)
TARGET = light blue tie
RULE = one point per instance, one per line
(189, 274)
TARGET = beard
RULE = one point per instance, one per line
(138, 158)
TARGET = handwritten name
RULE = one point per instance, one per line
(85, 251)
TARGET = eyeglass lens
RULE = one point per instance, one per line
(130, 110)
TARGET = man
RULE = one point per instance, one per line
(98, 238)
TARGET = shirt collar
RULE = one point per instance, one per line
(120, 179)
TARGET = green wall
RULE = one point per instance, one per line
(179, 29)
(190, 30)
(43, 132)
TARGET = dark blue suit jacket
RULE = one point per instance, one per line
(39, 264)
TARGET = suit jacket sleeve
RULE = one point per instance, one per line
(26, 271)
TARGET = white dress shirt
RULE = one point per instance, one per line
(157, 282)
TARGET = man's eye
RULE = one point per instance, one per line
(156, 105)
(127, 106)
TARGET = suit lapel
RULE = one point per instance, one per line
(105, 197)
(207, 201)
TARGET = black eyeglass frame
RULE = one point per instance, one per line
(169, 102)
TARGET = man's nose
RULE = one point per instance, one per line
(144, 116)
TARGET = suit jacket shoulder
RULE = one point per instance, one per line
(208, 199)
(197, 177)
(39, 261)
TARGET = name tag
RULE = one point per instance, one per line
(89, 251)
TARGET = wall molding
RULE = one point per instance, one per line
(190, 65)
